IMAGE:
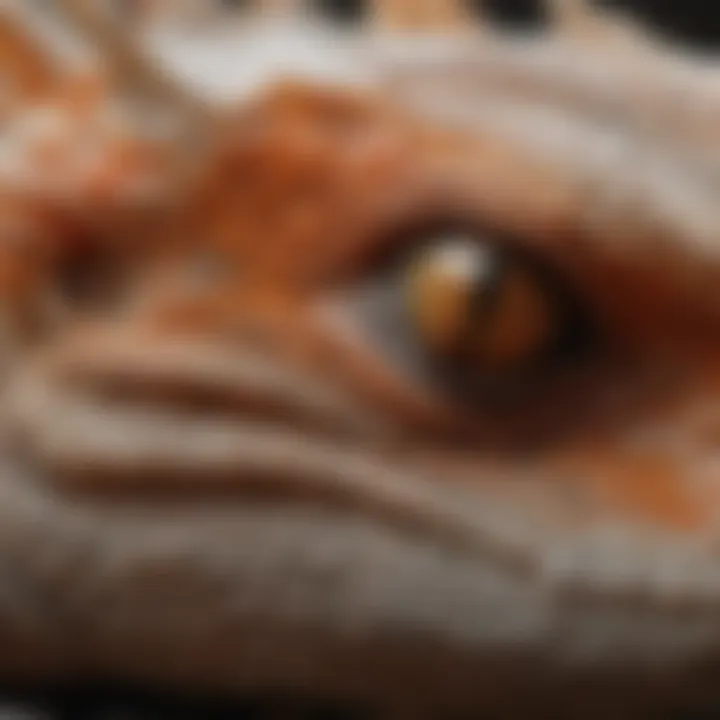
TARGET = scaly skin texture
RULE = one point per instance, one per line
(226, 480)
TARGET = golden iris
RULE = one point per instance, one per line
(479, 304)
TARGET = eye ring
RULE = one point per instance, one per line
(380, 300)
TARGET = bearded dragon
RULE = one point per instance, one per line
(407, 400)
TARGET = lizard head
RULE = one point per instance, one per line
(408, 381)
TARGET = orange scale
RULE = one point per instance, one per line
(643, 487)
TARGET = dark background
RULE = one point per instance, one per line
(694, 22)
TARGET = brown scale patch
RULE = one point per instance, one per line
(30, 72)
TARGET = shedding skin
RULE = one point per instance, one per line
(223, 477)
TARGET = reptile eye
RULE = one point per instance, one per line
(476, 306)
(475, 317)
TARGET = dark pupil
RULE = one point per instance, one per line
(343, 12)
(484, 299)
